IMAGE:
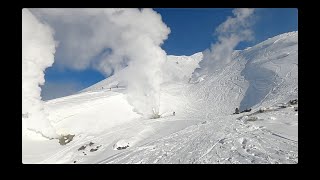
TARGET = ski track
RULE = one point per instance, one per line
(218, 141)
(216, 136)
(213, 146)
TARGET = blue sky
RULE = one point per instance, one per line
(192, 29)
(191, 32)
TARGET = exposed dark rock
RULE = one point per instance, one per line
(63, 140)
(125, 147)
(92, 150)
(293, 102)
(282, 106)
(82, 148)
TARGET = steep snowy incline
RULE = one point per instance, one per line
(265, 74)
(180, 68)
(272, 71)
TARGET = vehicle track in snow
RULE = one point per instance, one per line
(226, 141)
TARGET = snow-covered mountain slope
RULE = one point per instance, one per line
(204, 130)
(176, 68)
(258, 76)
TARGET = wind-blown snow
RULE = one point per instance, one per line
(230, 33)
(175, 69)
(203, 130)
(110, 40)
(38, 48)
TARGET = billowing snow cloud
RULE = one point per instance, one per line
(110, 40)
(38, 48)
(230, 33)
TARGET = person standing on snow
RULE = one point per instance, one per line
(174, 113)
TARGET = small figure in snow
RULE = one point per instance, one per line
(110, 89)
(117, 86)
(237, 111)
(174, 113)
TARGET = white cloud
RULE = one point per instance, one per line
(234, 25)
(230, 33)
(133, 37)
(38, 48)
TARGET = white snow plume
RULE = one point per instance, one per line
(110, 40)
(230, 33)
(38, 48)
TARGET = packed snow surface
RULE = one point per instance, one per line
(203, 129)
